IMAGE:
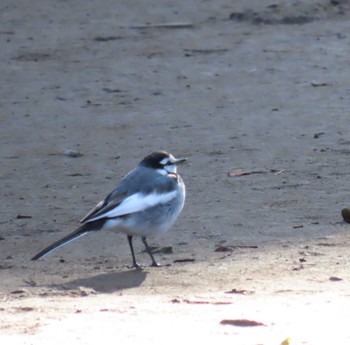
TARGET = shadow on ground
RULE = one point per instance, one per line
(109, 282)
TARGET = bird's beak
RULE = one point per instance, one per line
(180, 160)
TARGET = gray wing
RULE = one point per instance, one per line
(104, 206)
(140, 180)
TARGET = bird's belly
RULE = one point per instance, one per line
(151, 222)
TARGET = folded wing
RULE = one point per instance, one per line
(134, 203)
(136, 192)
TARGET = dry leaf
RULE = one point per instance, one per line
(241, 323)
(287, 341)
(240, 292)
(183, 260)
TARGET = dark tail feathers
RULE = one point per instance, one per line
(81, 231)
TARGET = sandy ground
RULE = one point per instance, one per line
(255, 93)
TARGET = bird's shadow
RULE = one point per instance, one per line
(108, 282)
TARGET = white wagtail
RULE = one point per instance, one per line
(146, 202)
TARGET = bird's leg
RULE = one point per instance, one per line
(134, 262)
(154, 262)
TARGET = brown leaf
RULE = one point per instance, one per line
(106, 38)
(183, 260)
(240, 292)
(72, 154)
(239, 172)
(242, 172)
(22, 216)
(241, 323)
(229, 248)
(17, 292)
(206, 302)
(298, 268)
(164, 26)
(320, 84)
(221, 248)
(25, 309)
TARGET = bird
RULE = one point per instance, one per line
(146, 202)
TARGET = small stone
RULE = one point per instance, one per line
(72, 154)
(345, 212)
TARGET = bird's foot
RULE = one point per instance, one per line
(136, 266)
(155, 264)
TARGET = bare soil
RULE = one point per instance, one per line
(255, 93)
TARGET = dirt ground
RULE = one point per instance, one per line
(255, 93)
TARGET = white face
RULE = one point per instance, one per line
(169, 165)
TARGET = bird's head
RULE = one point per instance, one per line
(162, 161)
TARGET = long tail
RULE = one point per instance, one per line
(81, 231)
